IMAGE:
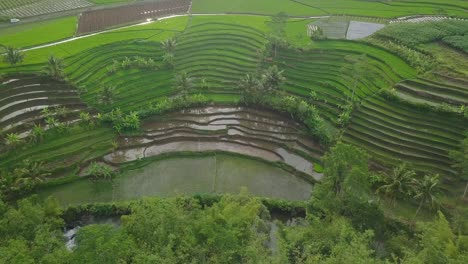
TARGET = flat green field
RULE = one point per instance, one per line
(155, 31)
(32, 34)
(395, 8)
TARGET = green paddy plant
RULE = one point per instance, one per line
(13, 56)
(37, 133)
(55, 68)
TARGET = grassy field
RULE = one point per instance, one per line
(156, 31)
(32, 34)
(336, 7)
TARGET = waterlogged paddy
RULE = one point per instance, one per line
(175, 176)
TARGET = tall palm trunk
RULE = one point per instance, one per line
(466, 190)
(419, 207)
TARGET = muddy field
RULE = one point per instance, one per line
(96, 20)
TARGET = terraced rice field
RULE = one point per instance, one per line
(8, 4)
(134, 87)
(220, 54)
(23, 100)
(64, 153)
(389, 9)
(394, 132)
(432, 92)
(245, 131)
(323, 70)
(42, 7)
(97, 20)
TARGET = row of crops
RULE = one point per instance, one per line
(42, 7)
(134, 86)
(394, 132)
(432, 92)
(24, 102)
(8, 4)
(218, 55)
(328, 71)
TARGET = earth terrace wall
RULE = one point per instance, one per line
(96, 20)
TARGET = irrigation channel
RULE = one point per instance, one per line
(224, 149)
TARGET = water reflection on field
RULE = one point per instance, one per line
(211, 174)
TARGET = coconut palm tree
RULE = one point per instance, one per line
(184, 83)
(55, 68)
(107, 95)
(250, 87)
(426, 191)
(398, 183)
(272, 78)
(169, 45)
(13, 56)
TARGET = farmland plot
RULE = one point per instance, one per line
(96, 20)
(44, 7)
(22, 102)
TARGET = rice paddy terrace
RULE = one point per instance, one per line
(399, 113)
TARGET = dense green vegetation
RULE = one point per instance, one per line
(27, 35)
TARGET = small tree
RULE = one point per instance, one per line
(461, 162)
(358, 69)
(13, 56)
(277, 36)
(399, 183)
(107, 95)
(250, 87)
(99, 172)
(55, 68)
(168, 59)
(169, 45)
(272, 78)
(184, 83)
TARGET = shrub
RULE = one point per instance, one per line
(99, 171)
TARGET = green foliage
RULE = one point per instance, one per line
(22, 179)
(331, 240)
(135, 62)
(459, 42)
(461, 162)
(122, 122)
(107, 95)
(427, 191)
(55, 68)
(398, 184)
(438, 244)
(318, 34)
(13, 56)
(30, 232)
(100, 172)
(184, 83)
(412, 34)
(103, 244)
(174, 103)
(230, 231)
